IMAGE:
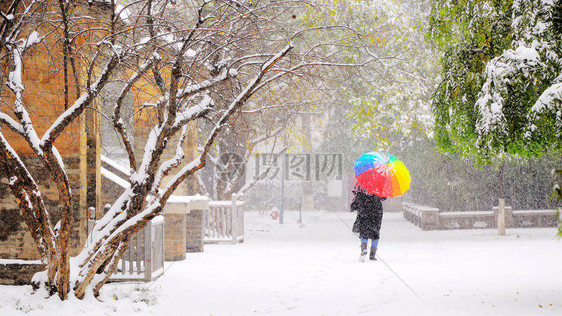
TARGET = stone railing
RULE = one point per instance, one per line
(467, 220)
(224, 222)
(19, 272)
(428, 218)
(193, 221)
(535, 218)
(423, 216)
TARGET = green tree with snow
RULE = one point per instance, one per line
(501, 89)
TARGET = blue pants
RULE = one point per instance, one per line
(374, 242)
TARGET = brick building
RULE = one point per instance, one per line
(81, 145)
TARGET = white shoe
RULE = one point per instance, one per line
(363, 256)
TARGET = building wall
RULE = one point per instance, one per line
(15, 239)
(79, 145)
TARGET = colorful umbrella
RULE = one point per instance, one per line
(382, 174)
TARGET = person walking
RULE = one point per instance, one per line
(369, 219)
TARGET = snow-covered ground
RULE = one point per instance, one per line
(313, 269)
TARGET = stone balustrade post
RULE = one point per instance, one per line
(184, 226)
(195, 223)
(175, 215)
(429, 218)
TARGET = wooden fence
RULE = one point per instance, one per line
(144, 258)
(224, 222)
(429, 218)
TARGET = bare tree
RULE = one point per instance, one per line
(51, 20)
(204, 64)
(262, 125)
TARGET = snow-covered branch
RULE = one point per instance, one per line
(11, 123)
(15, 83)
(170, 164)
(242, 97)
(117, 121)
(192, 113)
(501, 72)
(81, 103)
(205, 85)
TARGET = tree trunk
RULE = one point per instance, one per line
(190, 155)
(501, 202)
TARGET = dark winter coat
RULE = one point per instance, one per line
(369, 213)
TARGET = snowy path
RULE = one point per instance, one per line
(286, 269)
(313, 270)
